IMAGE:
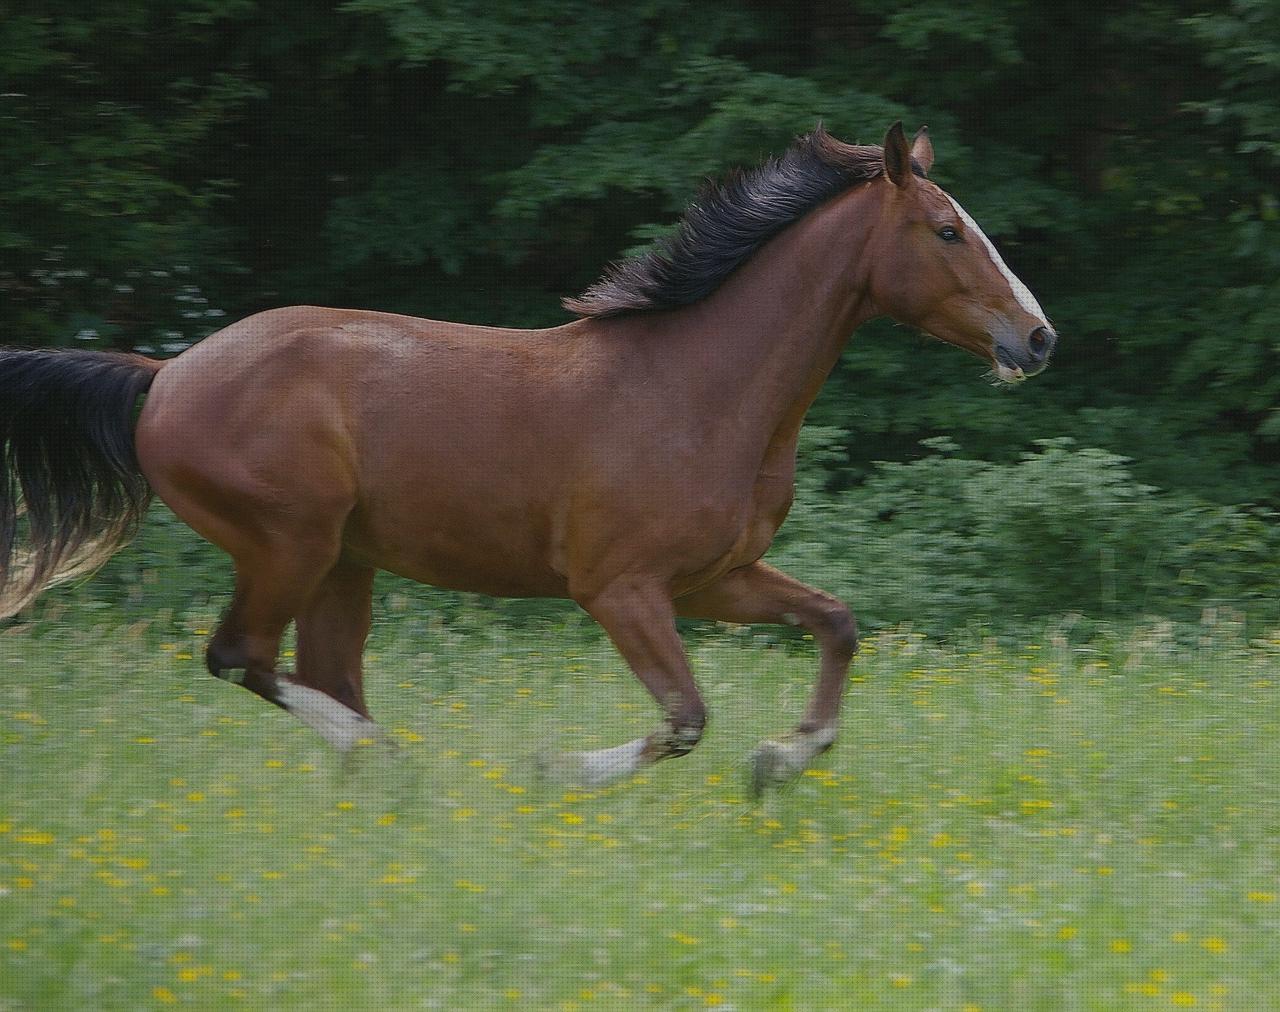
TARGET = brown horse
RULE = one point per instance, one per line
(638, 460)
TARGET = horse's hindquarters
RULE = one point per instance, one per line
(419, 457)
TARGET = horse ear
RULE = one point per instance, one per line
(897, 156)
(922, 149)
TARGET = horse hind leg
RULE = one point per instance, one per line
(243, 648)
(272, 588)
(327, 691)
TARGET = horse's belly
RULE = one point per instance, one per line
(471, 551)
(478, 578)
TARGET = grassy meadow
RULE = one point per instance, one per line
(1026, 825)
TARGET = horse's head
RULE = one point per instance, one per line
(936, 270)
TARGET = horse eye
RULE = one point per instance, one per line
(948, 234)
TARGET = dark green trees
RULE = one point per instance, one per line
(164, 166)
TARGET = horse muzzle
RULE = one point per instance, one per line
(1019, 360)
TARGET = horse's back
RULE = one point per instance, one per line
(307, 370)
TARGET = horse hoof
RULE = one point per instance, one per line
(766, 767)
(380, 768)
(375, 749)
(778, 760)
(774, 763)
(563, 768)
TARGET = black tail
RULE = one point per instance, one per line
(70, 486)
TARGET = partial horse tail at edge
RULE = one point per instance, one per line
(71, 490)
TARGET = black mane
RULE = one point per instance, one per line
(727, 223)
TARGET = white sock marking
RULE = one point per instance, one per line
(823, 736)
(796, 750)
(1020, 291)
(339, 725)
(604, 765)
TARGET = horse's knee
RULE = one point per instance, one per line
(836, 624)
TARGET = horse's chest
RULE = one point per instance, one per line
(769, 506)
(742, 534)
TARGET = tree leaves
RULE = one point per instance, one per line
(480, 160)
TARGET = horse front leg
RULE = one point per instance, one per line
(640, 620)
(758, 593)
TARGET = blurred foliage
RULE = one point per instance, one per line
(949, 540)
(172, 164)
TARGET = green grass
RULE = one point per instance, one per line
(1034, 826)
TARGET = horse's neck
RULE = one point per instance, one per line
(765, 342)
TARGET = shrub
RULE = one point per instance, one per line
(945, 540)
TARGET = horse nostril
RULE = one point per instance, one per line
(1040, 343)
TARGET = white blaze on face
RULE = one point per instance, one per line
(1020, 291)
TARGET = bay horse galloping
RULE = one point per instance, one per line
(637, 460)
